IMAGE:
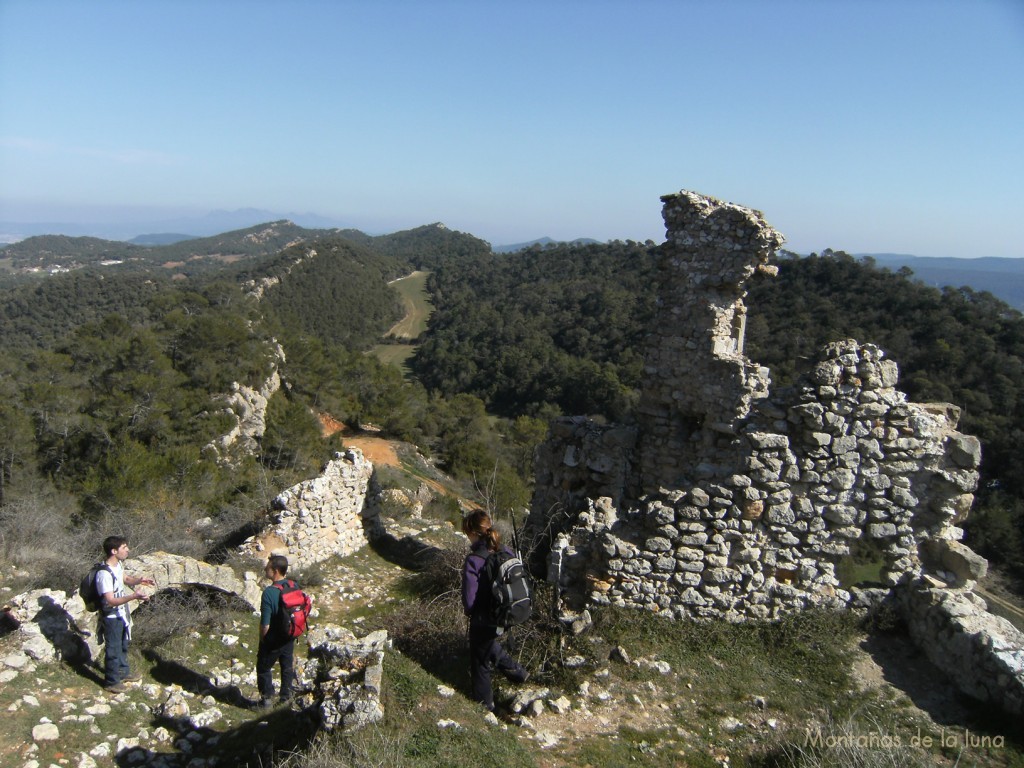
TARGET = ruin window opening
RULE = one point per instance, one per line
(865, 565)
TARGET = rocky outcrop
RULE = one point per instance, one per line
(256, 288)
(248, 408)
(322, 517)
(982, 653)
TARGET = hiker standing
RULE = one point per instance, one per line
(485, 652)
(116, 621)
(275, 645)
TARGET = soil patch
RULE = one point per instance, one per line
(376, 449)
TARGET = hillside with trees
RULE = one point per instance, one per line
(110, 378)
(431, 245)
(561, 329)
(183, 257)
(547, 329)
(112, 384)
(111, 391)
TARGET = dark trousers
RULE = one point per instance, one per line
(115, 650)
(485, 655)
(272, 652)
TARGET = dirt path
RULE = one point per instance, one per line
(376, 449)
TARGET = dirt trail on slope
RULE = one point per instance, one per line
(376, 449)
(379, 451)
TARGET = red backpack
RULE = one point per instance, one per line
(295, 607)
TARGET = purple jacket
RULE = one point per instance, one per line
(476, 602)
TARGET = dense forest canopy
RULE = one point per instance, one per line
(558, 326)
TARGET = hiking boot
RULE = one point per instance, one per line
(132, 679)
(115, 689)
(519, 676)
(265, 704)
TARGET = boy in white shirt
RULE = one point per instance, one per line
(116, 621)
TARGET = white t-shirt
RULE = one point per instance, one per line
(113, 582)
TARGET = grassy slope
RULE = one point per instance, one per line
(412, 289)
(417, 307)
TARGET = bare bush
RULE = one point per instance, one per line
(44, 536)
(153, 530)
(35, 537)
(312, 575)
(173, 612)
(439, 574)
(429, 630)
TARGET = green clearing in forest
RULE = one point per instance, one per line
(412, 289)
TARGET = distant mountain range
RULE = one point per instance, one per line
(540, 241)
(170, 231)
(1002, 277)
(213, 223)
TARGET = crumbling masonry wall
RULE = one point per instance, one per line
(698, 383)
(728, 500)
(322, 517)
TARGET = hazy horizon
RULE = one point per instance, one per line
(864, 127)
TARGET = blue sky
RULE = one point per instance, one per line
(862, 125)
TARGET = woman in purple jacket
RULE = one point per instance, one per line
(485, 652)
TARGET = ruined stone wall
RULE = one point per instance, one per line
(848, 463)
(698, 384)
(729, 500)
(322, 517)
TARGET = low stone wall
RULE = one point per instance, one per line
(322, 517)
(174, 571)
(52, 624)
(982, 653)
(343, 676)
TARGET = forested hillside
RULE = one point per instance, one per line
(109, 380)
(112, 386)
(45, 251)
(557, 327)
(332, 289)
(561, 329)
(430, 246)
(193, 256)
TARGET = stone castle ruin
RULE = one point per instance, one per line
(730, 500)
(726, 500)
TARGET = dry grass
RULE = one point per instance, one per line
(854, 744)
(372, 749)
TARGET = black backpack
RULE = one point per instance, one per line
(87, 589)
(511, 591)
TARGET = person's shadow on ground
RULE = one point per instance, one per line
(170, 672)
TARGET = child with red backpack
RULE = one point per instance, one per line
(284, 609)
